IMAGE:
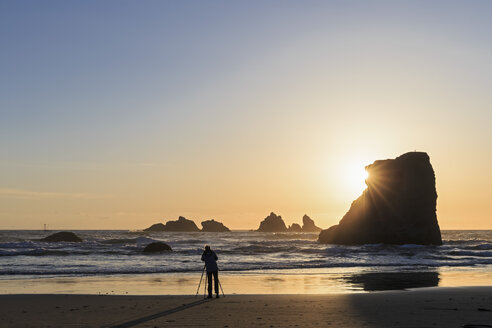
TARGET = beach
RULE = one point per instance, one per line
(426, 307)
(328, 163)
(269, 279)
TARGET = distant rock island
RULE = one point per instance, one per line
(181, 225)
(275, 223)
(294, 227)
(214, 226)
(397, 207)
(62, 236)
(272, 223)
(185, 225)
(308, 225)
(156, 227)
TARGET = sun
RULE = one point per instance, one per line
(354, 177)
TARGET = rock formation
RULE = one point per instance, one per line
(308, 225)
(397, 207)
(294, 227)
(272, 223)
(63, 236)
(157, 247)
(156, 227)
(182, 225)
(213, 226)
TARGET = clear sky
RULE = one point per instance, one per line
(120, 114)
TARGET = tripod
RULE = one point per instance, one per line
(200, 282)
(205, 286)
(220, 285)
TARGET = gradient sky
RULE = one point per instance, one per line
(120, 114)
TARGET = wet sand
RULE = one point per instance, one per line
(264, 282)
(431, 307)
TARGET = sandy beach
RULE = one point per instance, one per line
(432, 307)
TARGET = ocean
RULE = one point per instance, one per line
(118, 253)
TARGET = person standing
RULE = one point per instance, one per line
(210, 259)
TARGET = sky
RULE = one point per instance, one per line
(121, 114)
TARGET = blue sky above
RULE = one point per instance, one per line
(220, 88)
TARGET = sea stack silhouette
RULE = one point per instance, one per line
(214, 226)
(275, 223)
(308, 225)
(272, 223)
(397, 207)
(181, 225)
(294, 227)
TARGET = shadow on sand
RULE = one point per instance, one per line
(379, 281)
(138, 321)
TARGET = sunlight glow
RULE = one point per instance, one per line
(354, 177)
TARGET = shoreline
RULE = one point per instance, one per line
(428, 307)
(320, 281)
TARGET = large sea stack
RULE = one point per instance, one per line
(397, 207)
(272, 223)
(214, 226)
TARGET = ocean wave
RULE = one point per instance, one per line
(51, 252)
(412, 246)
(134, 246)
(258, 249)
(294, 236)
(120, 241)
(17, 244)
(192, 241)
(485, 246)
(471, 253)
(137, 240)
(465, 241)
(196, 267)
(120, 252)
(72, 251)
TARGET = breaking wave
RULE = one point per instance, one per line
(120, 252)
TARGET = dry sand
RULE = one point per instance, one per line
(434, 307)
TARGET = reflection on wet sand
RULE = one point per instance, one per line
(378, 281)
(286, 282)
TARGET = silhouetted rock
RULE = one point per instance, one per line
(308, 225)
(397, 207)
(181, 224)
(157, 247)
(213, 226)
(272, 223)
(294, 227)
(63, 236)
(156, 227)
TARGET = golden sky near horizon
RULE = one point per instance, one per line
(121, 116)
